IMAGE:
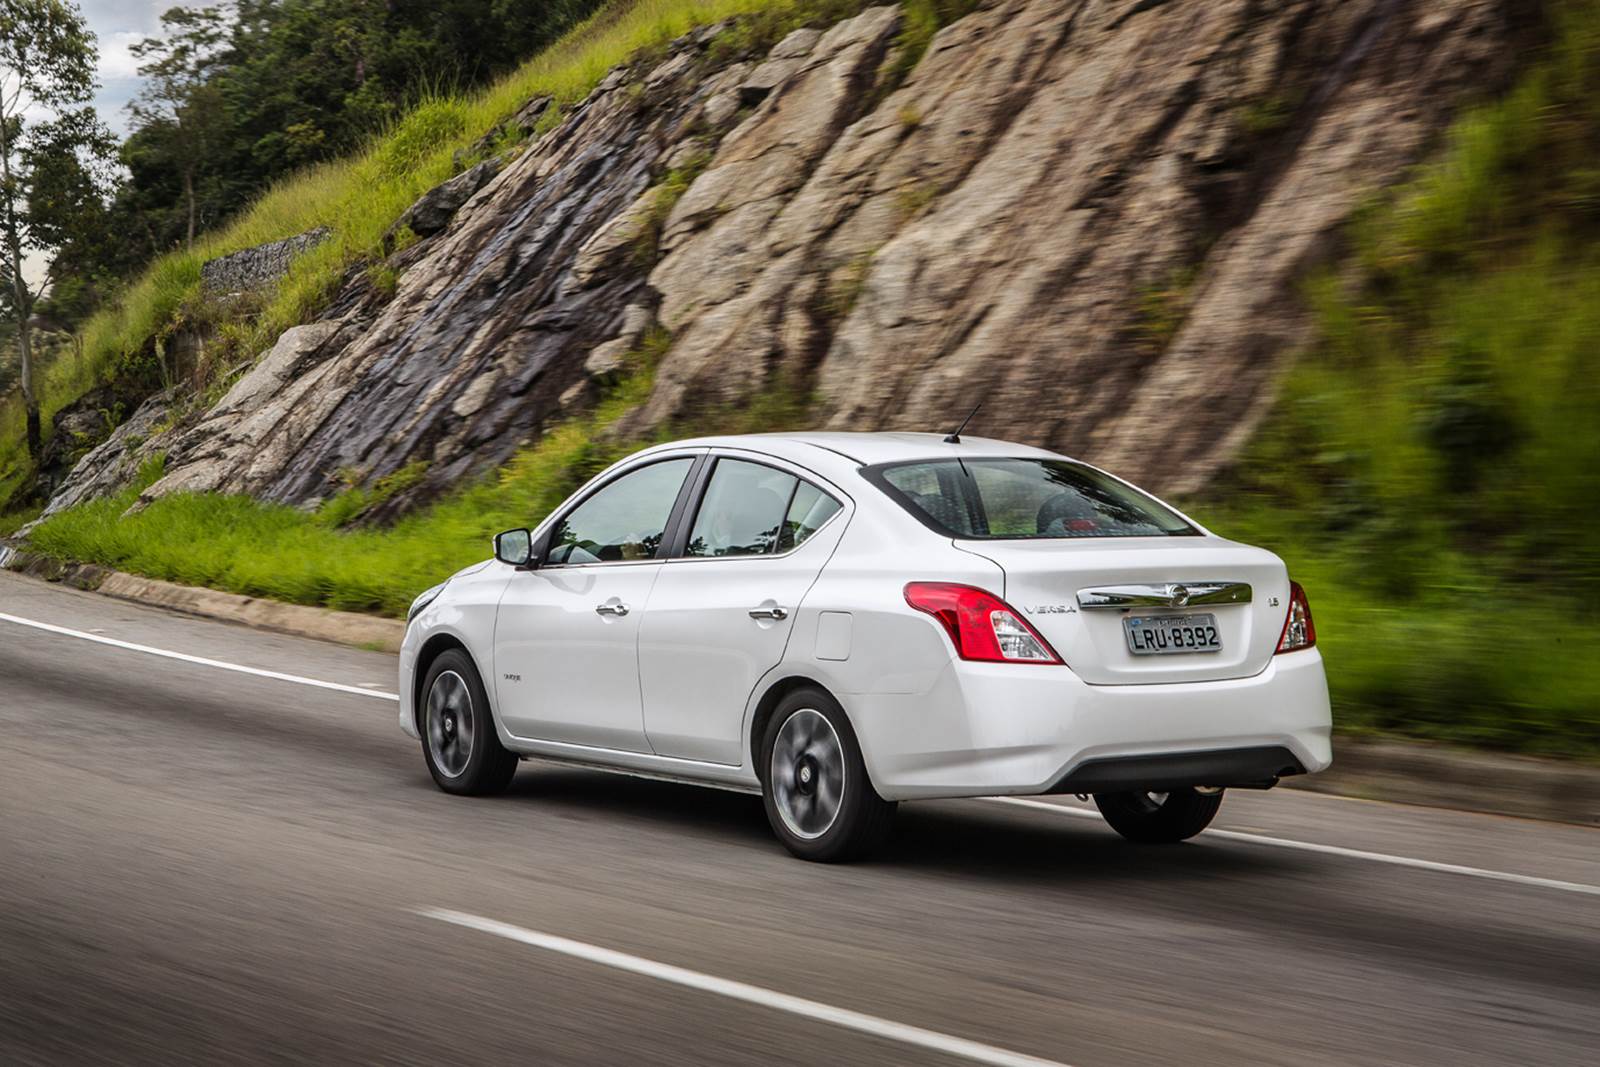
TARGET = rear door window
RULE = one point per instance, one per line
(809, 511)
(750, 509)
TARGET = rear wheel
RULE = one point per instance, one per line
(1159, 818)
(463, 752)
(814, 783)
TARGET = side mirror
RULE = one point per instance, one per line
(514, 547)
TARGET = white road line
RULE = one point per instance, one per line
(766, 998)
(203, 661)
(1335, 850)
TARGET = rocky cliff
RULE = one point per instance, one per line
(1093, 216)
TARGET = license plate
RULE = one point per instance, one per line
(1167, 635)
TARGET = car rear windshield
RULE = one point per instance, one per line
(993, 498)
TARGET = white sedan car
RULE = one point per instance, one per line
(844, 621)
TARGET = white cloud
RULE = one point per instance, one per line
(116, 54)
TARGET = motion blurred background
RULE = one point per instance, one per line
(1326, 273)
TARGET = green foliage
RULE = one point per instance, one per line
(12, 521)
(418, 136)
(912, 197)
(1163, 308)
(668, 192)
(845, 286)
(1430, 471)
(1269, 114)
(919, 21)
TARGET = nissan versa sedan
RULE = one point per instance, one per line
(840, 622)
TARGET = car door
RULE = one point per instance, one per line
(566, 635)
(720, 613)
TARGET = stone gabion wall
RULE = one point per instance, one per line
(251, 268)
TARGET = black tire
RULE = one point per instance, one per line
(860, 821)
(477, 764)
(1156, 818)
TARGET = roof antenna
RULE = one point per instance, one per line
(955, 438)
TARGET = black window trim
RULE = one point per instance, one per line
(875, 473)
(674, 517)
(680, 540)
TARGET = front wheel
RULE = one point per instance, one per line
(814, 782)
(1159, 818)
(463, 752)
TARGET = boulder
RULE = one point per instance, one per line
(434, 209)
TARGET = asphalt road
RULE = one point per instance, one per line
(204, 866)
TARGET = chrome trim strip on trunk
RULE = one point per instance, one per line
(1164, 595)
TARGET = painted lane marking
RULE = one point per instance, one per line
(201, 660)
(1335, 850)
(750, 994)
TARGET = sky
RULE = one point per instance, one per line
(118, 25)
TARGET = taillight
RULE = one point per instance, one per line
(981, 625)
(1298, 629)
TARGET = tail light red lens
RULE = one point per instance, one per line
(1298, 629)
(981, 625)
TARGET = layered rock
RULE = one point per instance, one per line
(1092, 216)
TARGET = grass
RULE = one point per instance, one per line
(1430, 471)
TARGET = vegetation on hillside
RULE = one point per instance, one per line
(1433, 466)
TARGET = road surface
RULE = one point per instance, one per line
(199, 865)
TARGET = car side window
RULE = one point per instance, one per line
(742, 511)
(624, 520)
(808, 511)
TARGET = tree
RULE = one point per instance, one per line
(47, 60)
(178, 97)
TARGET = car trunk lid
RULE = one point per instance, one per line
(1078, 593)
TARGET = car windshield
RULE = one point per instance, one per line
(996, 498)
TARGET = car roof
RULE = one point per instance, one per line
(865, 449)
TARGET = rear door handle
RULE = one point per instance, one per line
(617, 608)
(769, 613)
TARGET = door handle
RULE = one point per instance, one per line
(619, 609)
(769, 613)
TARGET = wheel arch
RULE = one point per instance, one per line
(431, 649)
(771, 697)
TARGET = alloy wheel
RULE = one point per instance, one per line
(451, 724)
(808, 779)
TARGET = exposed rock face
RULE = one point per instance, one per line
(112, 464)
(488, 327)
(1001, 224)
(252, 268)
(1091, 215)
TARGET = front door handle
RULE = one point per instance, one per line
(769, 613)
(611, 607)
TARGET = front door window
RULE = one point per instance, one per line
(624, 521)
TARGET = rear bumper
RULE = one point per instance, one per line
(1255, 767)
(1005, 729)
